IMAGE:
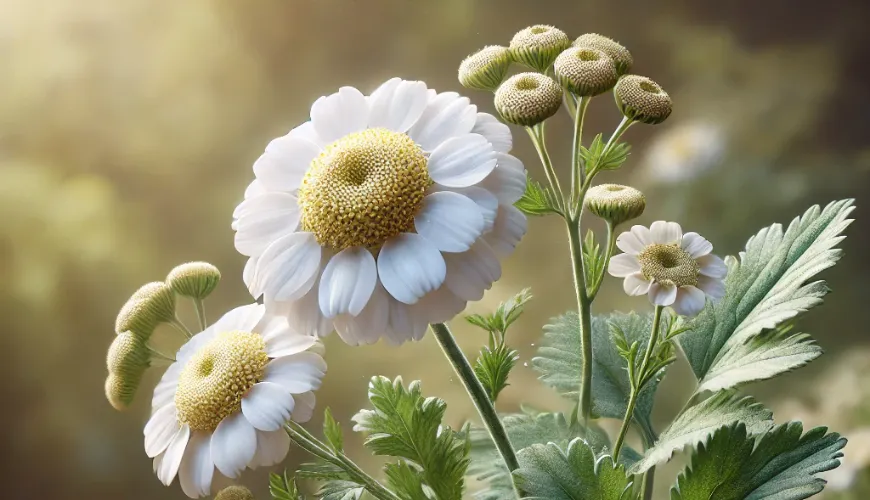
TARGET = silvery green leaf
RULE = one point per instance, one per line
(548, 473)
(537, 200)
(340, 490)
(778, 465)
(698, 422)
(768, 285)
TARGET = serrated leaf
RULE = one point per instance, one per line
(778, 465)
(332, 431)
(406, 481)
(768, 285)
(493, 367)
(548, 473)
(593, 259)
(595, 158)
(698, 422)
(405, 424)
(537, 200)
(560, 364)
(340, 490)
(283, 487)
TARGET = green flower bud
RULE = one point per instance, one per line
(528, 99)
(585, 71)
(537, 46)
(615, 203)
(121, 389)
(621, 56)
(234, 493)
(486, 68)
(641, 99)
(152, 304)
(194, 279)
(128, 355)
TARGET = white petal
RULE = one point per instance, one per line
(665, 232)
(510, 226)
(405, 323)
(248, 271)
(164, 393)
(696, 245)
(689, 302)
(160, 430)
(397, 104)
(446, 116)
(272, 448)
(304, 315)
(197, 469)
(267, 406)
(242, 318)
(339, 114)
(370, 324)
(410, 266)
(712, 266)
(303, 131)
(629, 243)
(347, 282)
(462, 161)
(438, 306)
(662, 295)
(288, 267)
(623, 265)
(508, 180)
(713, 287)
(297, 373)
(194, 344)
(496, 132)
(263, 219)
(304, 407)
(172, 456)
(450, 221)
(255, 188)
(643, 235)
(486, 202)
(283, 341)
(233, 445)
(283, 165)
(635, 284)
(471, 273)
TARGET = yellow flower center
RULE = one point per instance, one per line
(668, 264)
(364, 189)
(214, 380)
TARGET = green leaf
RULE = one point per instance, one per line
(504, 316)
(779, 465)
(340, 490)
(321, 471)
(332, 431)
(768, 285)
(407, 482)
(546, 473)
(698, 422)
(493, 367)
(537, 200)
(283, 487)
(560, 364)
(593, 259)
(406, 425)
(596, 160)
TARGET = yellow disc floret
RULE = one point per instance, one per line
(214, 380)
(668, 264)
(364, 189)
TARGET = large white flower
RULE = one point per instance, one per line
(673, 268)
(220, 407)
(382, 214)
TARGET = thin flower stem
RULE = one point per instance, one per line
(570, 104)
(200, 312)
(578, 169)
(479, 396)
(620, 129)
(584, 305)
(175, 322)
(635, 391)
(538, 139)
(608, 252)
(160, 355)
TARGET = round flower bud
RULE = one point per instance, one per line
(528, 99)
(641, 99)
(194, 279)
(585, 71)
(152, 304)
(615, 203)
(485, 69)
(234, 493)
(537, 46)
(128, 355)
(621, 56)
(121, 389)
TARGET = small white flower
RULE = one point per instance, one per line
(220, 407)
(382, 214)
(675, 269)
(685, 152)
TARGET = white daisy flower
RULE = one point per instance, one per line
(220, 407)
(382, 214)
(675, 269)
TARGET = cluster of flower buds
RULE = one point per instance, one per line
(129, 355)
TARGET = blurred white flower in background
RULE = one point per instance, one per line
(684, 152)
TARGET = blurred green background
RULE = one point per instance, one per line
(128, 130)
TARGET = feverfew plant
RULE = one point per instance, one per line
(386, 213)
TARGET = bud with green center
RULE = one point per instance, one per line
(528, 99)
(152, 304)
(194, 279)
(234, 493)
(641, 99)
(121, 389)
(538, 46)
(620, 55)
(486, 68)
(615, 203)
(585, 71)
(128, 355)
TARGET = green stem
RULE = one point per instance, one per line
(584, 311)
(608, 252)
(479, 396)
(578, 169)
(537, 135)
(649, 478)
(635, 391)
(178, 325)
(160, 355)
(200, 312)
(570, 104)
(620, 129)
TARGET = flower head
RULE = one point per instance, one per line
(615, 203)
(585, 71)
(486, 68)
(234, 493)
(537, 46)
(153, 303)
(221, 406)
(673, 268)
(528, 99)
(382, 214)
(194, 279)
(643, 100)
(621, 57)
